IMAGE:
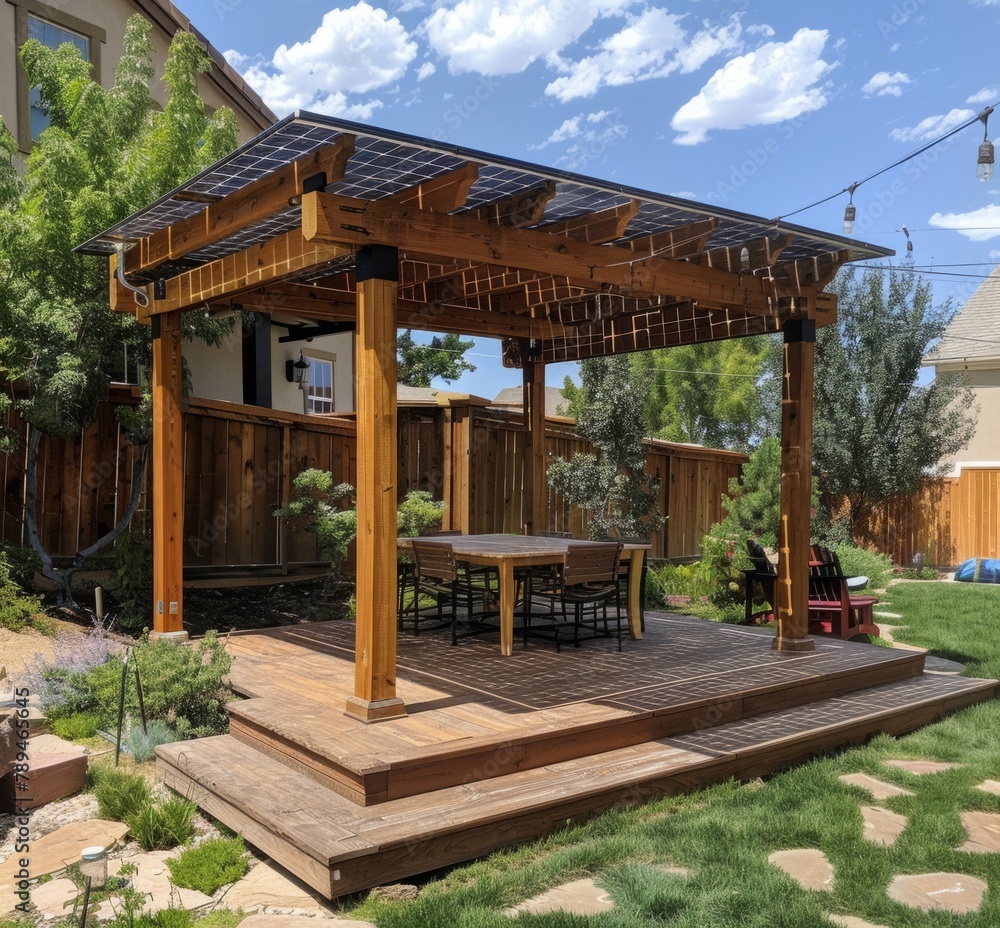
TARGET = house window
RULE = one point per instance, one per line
(319, 388)
(52, 36)
(51, 26)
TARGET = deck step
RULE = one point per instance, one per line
(376, 765)
(338, 846)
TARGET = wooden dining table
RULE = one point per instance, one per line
(507, 552)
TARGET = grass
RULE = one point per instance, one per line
(724, 834)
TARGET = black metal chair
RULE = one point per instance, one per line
(407, 607)
(588, 581)
(763, 576)
(539, 575)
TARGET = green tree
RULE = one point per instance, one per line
(106, 153)
(720, 394)
(877, 431)
(441, 357)
(610, 486)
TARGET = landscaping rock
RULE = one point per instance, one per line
(920, 767)
(55, 899)
(990, 786)
(882, 826)
(153, 882)
(581, 897)
(807, 866)
(268, 889)
(946, 892)
(879, 789)
(983, 829)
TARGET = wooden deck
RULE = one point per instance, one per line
(496, 750)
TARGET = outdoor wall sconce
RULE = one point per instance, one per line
(297, 371)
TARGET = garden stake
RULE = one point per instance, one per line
(86, 904)
(121, 706)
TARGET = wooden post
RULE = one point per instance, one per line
(374, 696)
(796, 487)
(535, 511)
(168, 478)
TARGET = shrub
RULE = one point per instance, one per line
(418, 514)
(317, 505)
(77, 727)
(16, 608)
(210, 865)
(862, 562)
(120, 795)
(141, 744)
(161, 826)
(132, 586)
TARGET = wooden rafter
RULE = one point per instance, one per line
(441, 194)
(810, 272)
(753, 255)
(517, 210)
(341, 220)
(683, 242)
(247, 206)
(596, 228)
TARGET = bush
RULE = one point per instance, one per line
(77, 727)
(16, 608)
(210, 865)
(132, 587)
(418, 514)
(120, 795)
(318, 506)
(861, 562)
(141, 744)
(161, 826)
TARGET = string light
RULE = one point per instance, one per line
(850, 213)
(984, 169)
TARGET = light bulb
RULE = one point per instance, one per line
(984, 169)
(849, 216)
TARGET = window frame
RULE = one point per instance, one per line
(95, 35)
(320, 357)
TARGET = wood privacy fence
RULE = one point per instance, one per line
(239, 462)
(949, 520)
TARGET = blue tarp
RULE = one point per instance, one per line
(981, 569)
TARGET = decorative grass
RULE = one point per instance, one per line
(210, 865)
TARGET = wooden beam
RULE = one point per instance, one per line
(241, 209)
(168, 478)
(441, 194)
(682, 242)
(535, 488)
(596, 228)
(809, 272)
(375, 696)
(517, 210)
(796, 487)
(278, 258)
(753, 255)
(342, 221)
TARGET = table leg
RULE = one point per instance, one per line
(634, 592)
(507, 593)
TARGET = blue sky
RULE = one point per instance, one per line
(763, 108)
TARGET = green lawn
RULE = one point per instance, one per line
(724, 834)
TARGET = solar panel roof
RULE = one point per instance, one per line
(386, 162)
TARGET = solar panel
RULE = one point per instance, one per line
(384, 163)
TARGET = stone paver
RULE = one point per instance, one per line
(879, 789)
(581, 897)
(990, 786)
(269, 889)
(920, 767)
(850, 921)
(55, 899)
(301, 921)
(983, 829)
(948, 892)
(153, 882)
(942, 666)
(807, 866)
(882, 826)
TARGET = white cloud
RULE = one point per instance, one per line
(569, 129)
(237, 59)
(425, 71)
(884, 84)
(932, 126)
(770, 85)
(979, 225)
(994, 255)
(653, 44)
(589, 137)
(505, 36)
(355, 50)
(986, 95)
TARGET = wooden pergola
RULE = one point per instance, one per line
(330, 221)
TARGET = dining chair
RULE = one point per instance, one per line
(407, 606)
(588, 581)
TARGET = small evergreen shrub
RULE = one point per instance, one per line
(418, 514)
(120, 795)
(862, 562)
(210, 865)
(163, 825)
(132, 586)
(77, 727)
(141, 744)
(17, 609)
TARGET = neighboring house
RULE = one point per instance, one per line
(971, 346)
(510, 398)
(252, 367)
